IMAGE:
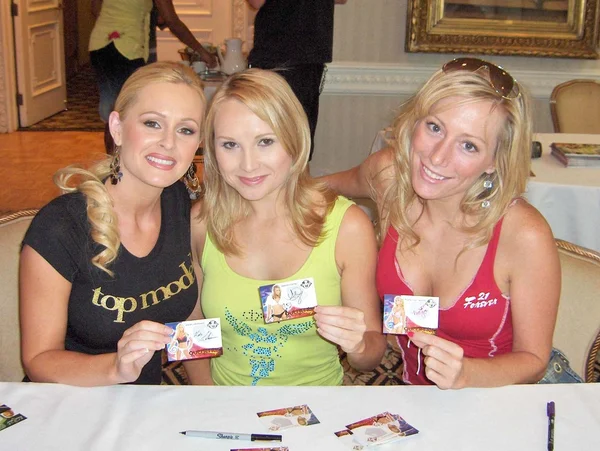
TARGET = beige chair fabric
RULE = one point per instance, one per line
(12, 230)
(577, 332)
(575, 106)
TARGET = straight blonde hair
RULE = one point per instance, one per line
(308, 201)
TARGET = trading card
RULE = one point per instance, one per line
(198, 339)
(402, 313)
(8, 417)
(287, 417)
(272, 448)
(379, 429)
(347, 439)
(288, 300)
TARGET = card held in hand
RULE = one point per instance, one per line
(403, 313)
(198, 339)
(288, 300)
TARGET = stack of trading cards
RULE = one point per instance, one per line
(8, 417)
(288, 300)
(288, 417)
(270, 448)
(195, 339)
(402, 314)
(377, 430)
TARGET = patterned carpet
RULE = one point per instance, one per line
(389, 371)
(82, 106)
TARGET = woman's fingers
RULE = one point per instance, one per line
(343, 326)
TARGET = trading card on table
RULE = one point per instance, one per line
(287, 417)
(8, 417)
(347, 439)
(198, 339)
(288, 300)
(402, 313)
(379, 429)
(271, 448)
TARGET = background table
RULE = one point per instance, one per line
(115, 418)
(569, 198)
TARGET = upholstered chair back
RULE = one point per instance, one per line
(577, 332)
(12, 229)
(575, 106)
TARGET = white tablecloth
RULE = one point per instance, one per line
(569, 198)
(149, 418)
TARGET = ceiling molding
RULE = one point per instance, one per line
(348, 78)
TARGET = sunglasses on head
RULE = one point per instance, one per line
(502, 82)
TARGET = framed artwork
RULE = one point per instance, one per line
(551, 28)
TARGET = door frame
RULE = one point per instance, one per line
(8, 109)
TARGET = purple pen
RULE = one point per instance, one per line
(550, 411)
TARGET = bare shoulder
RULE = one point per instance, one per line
(525, 230)
(356, 221)
(381, 169)
(198, 226)
(381, 160)
(356, 243)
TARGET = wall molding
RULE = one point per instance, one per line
(355, 78)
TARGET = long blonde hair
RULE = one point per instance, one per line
(100, 211)
(512, 155)
(268, 96)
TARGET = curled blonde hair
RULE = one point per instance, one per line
(270, 98)
(90, 182)
(512, 155)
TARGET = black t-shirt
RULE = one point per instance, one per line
(159, 287)
(291, 32)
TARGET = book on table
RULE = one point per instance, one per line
(570, 154)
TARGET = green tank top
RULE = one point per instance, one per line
(126, 24)
(285, 353)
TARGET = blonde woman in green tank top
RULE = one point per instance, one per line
(262, 221)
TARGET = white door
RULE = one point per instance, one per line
(40, 60)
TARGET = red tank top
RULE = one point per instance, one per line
(479, 320)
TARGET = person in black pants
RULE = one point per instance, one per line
(295, 37)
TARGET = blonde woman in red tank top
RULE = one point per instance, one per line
(452, 225)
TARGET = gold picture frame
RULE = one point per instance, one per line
(548, 28)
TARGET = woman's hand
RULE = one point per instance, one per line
(137, 346)
(444, 360)
(344, 326)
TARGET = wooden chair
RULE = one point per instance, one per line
(575, 106)
(577, 332)
(12, 230)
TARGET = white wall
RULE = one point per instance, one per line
(372, 74)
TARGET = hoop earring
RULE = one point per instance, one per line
(190, 179)
(115, 166)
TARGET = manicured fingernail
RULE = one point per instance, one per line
(410, 333)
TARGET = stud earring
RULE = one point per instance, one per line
(190, 179)
(485, 204)
(115, 166)
(488, 184)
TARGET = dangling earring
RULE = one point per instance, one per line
(488, 185)
(115, 166)
(190, 179)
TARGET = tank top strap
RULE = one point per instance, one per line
(490, 253)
